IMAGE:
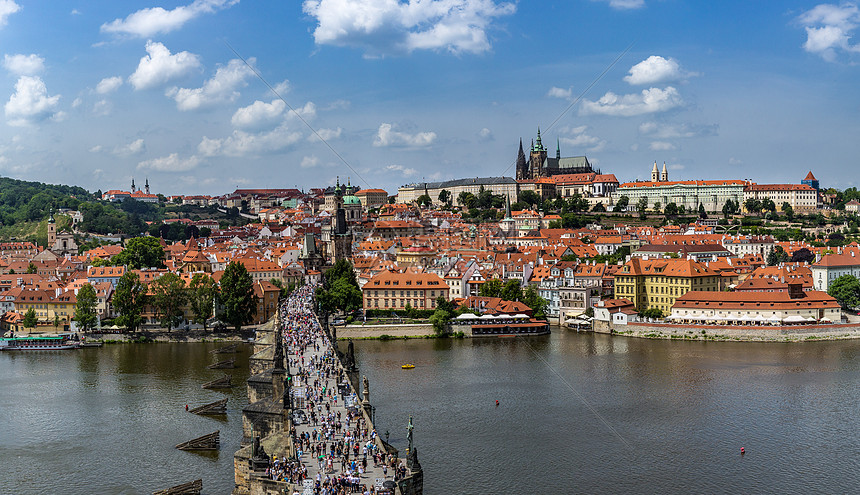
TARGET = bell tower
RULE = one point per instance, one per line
(537, 158)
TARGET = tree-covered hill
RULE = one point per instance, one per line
(24, 201)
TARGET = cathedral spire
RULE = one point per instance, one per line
(539, 145)
(557, 149)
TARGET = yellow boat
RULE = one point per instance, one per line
(408, 366)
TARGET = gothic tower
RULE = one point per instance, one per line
(522, 166)
(146, 187)
(655, 174)
(537, 158)
(664, 176)
(132, 185)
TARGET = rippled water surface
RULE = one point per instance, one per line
(583, 413)
(106, 420)
(578, 413)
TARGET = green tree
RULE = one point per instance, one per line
(598, 208)
(424, 200)
(31, 268)
(439, 319)
(512, 291)
(237, 295)
(532, 299)
(657, 206)
(577, 203)
(491, 288)
(702, 213)
(530, 197)
(642, 207)
(622, 203)
(30, 319)
(846, 290)
(653, 313)
(768, 205)
(671, 210)
(753, 205)
(788, 211)
(85, 308)
(56, 321)
(99, 262)
(445, 197)
(168, 298)
(777, 256)
(467, 199)
(730, 208)
(141, 252)
(129, 298)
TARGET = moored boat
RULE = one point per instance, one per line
(42, 343)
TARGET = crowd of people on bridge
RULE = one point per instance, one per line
(336, 447)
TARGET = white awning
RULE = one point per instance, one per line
(795, 319)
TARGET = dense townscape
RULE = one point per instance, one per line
(562, 242)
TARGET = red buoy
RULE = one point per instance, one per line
(186, 407)
(497, 403)
(743, 451)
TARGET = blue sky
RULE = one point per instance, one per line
(95, 93)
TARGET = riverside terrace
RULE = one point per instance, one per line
(323, 441)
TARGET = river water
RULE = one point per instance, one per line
(106, 420)
(578, 413)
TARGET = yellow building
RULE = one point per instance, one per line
(392, 290)
(657, 283)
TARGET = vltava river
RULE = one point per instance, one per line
(106, 420)
(584, 413)
(578, 413)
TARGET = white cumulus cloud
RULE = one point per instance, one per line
(670, 131)
(656, 69)
(221, 88)
(160, 66)
(24, 65)
(307, 112)
(310, 161)
(7, 8)
(661, 146)
(30, 103)
(648, 101)
(241, 143)
(624, 4)
(405, 171)
(170, 163)
(485, 135)
(578, 138)
(325, 134)
(386, 136)
(388, 26)
(108, 85)
(562, 93)
(258, 114)
(156, 20)
(829, 28)
(133, 148)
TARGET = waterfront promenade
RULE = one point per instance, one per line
(333, 437)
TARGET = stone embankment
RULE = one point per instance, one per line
(738, 333)
(377, 331)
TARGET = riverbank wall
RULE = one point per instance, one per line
(738, 333)
(377, 331)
